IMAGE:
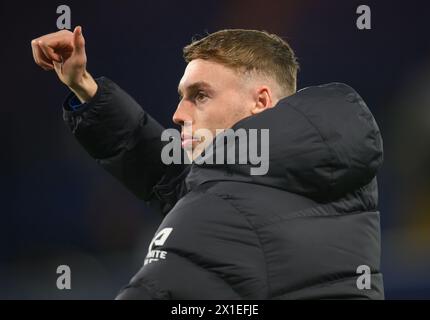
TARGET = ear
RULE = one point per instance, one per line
(263, 100)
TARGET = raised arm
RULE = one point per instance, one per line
(107, 122)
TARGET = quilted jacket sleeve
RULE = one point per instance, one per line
(120, 136)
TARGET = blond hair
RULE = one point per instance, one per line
(249, 50)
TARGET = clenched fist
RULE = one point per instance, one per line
(64, 52)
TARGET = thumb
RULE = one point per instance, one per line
(78, 41)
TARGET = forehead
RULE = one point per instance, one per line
(212, 73)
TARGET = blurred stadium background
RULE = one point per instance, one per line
(58, 207)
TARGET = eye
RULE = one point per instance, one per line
(200, 96)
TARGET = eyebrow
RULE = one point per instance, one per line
(195, 87)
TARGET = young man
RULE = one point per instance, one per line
(306, 229)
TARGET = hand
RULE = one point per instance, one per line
(64, 52)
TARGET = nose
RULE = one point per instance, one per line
(182, 113)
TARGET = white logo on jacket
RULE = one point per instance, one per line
(158, 241)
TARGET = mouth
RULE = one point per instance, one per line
(188, 141)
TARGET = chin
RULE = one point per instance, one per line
(197, 150)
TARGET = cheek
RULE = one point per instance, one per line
(235, 110)
(221, 113)
(213, 115)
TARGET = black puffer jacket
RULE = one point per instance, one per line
(298, 232)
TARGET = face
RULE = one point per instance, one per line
(212, 97)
